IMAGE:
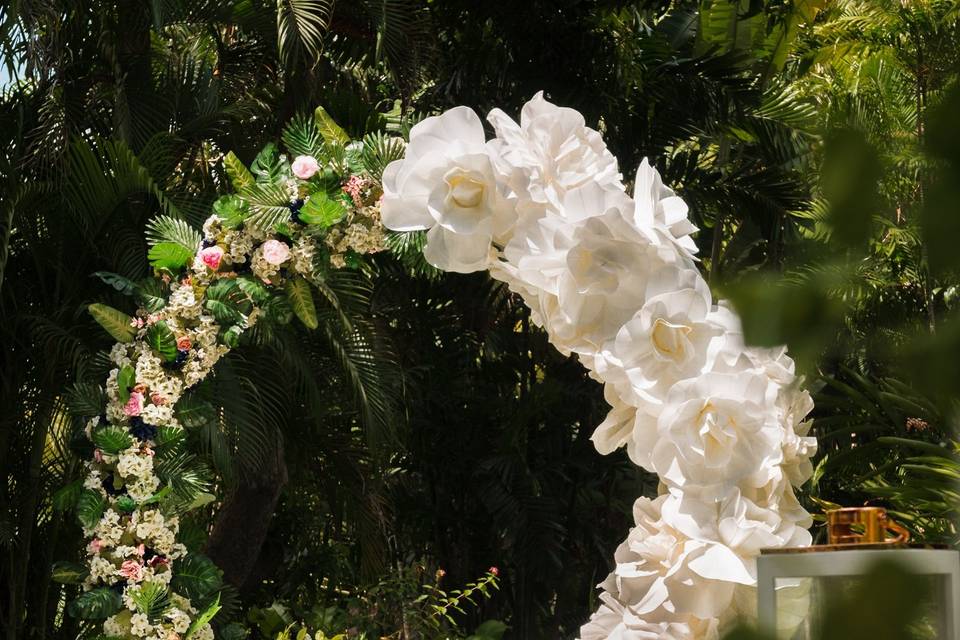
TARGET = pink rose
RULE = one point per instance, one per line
(211, 256)
(95, 545)
(183, 343)
(134, 405)
(157, 399)
(275, 252)
(132, 570)
(304, 167)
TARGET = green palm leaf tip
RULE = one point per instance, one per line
(173, 242)
(302, 137)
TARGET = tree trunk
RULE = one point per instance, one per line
(244, 520)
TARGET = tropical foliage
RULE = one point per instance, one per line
(456, 437)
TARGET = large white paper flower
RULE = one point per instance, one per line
(659, 209)
(550, 152)
(614, 621)
(719, 431)
(662, 575)
(447, 184)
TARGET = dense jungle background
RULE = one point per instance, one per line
(816, 141)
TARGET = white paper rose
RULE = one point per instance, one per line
(551, 152)
(659, 209)
(719, 431)
(614, 621)
(446, 184)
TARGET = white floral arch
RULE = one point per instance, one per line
(613, 279)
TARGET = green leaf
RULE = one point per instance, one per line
(267, 166)
(301, 300)
(227, 302)
(96, 604)
(231, 337)
(126, 504)
(329, 129)
(152, 600)
(301, 137)
(232, 210)
(68, 572)
(126, 286)
(65, 499)
(173, 242)
(205, 617)
(112, 440)
(168, 255)
(240, 177)
(379, 151)
(114, 321)
(162, 341)
(255, 290)
(86, 399)
(193, 414)
(90, 508)
(320, 210)
(126, 379)
(196, 577)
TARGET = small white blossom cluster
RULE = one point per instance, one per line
(134, 542)
(613, 279)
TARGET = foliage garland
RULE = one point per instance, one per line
(261, 254)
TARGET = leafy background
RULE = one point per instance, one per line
(812, 139)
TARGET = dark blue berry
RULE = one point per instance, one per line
(141, 430)
(295, 211)
(206, 244)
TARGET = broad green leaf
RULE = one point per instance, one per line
(231, 336)
(329, 129)
(255, 290)
(322, 211)
(196, 577)
(90, 508)
(114, 321)
(162, 341)
(126, 378)
(240, 176)
(65, 499)
(194, 413)
(204, 617)
(227, 302)
(301, 300)
(96, 604)
(152, 600)
(232, 210)
(169, 255)
(112, 440)
(68, 572)
(267, 166)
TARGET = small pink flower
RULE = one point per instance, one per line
(98, 455)
(132, 570)
(211, 256)
(140, 388)
(494, 571)
(157, 399)
(153, 318)
(95, 545)
(183, 343)
(304, 167)
(148, 451)
(136, 323)
(275, 252)
(141, 549)
(134, 405)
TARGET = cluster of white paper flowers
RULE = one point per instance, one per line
(613, 279)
